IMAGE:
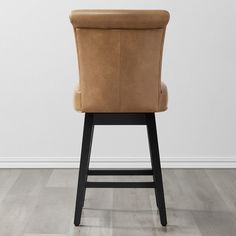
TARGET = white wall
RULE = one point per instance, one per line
(38, 70)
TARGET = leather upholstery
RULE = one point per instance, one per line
(120, 57)
(163, 98)
(119, 19)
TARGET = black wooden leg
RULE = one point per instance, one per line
(84, 165)
(156, 166)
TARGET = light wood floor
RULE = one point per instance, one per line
(40, 202)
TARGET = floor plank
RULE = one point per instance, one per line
(17, 206)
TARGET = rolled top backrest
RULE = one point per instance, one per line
(120, 19)
(119, 54)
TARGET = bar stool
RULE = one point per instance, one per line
(120, 58)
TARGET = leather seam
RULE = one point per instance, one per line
(100, 28)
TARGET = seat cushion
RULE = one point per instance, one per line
(77, 99)
(163, 100)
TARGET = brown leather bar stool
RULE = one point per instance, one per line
(120, 58)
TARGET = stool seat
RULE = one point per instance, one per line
(163, 101)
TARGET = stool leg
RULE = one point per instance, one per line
(84, 165)
(156, 166)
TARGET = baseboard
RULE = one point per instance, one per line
(122, 162)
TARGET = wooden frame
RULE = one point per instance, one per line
(92, 119)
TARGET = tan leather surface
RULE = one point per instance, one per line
(119, 19)
(77, 99)
(120, 68)
(163, 98)
(162, 106)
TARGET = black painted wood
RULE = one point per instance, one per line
(119, 119)
(120, 185)
(147, 119)
(156, 166)
(120, 172)
(84, 166)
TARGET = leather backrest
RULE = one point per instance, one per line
(120, 55)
